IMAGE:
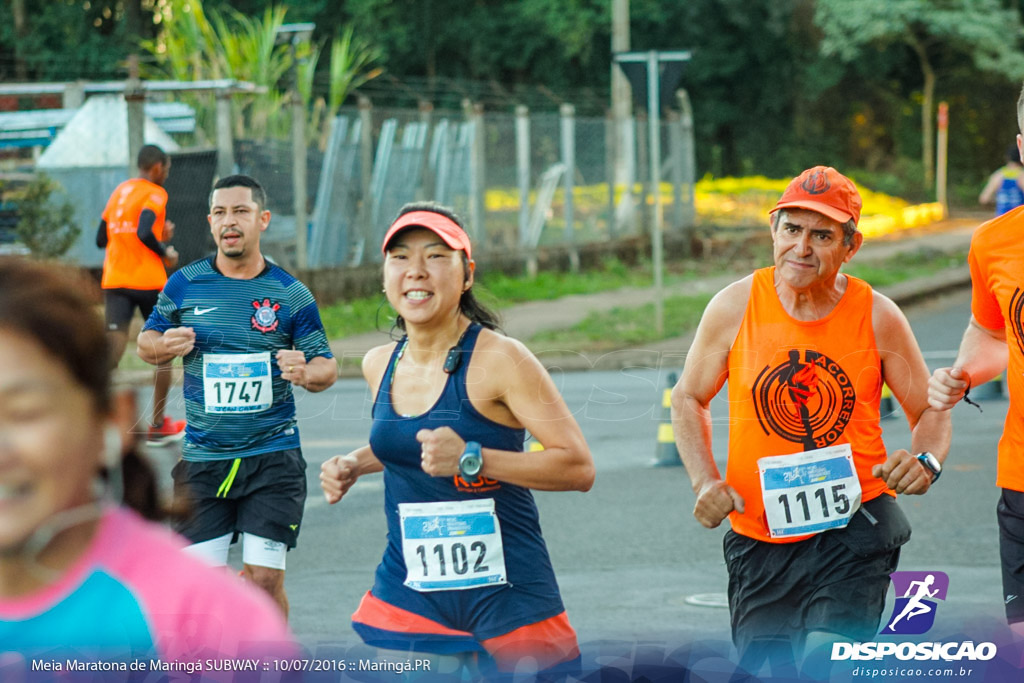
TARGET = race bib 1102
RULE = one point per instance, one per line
(451, 545)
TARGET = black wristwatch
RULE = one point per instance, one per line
(932, 463)
(471, 462)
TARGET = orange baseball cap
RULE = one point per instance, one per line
(444, 227)
(825, 190)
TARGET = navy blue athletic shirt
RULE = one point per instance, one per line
(263, 314)
(531, 594)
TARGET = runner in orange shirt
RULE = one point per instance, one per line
(810, 488)
(132, 230)
(993, 343)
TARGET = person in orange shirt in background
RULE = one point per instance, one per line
(133, 229)
(993, 343)
(810, 488)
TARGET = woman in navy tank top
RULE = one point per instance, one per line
(466, 569)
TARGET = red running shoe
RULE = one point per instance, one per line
(169, 432)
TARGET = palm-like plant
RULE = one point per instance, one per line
(351, 65)
(198, 44)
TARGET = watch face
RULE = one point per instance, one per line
(931, 461)
(470, 464)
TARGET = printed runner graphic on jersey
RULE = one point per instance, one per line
(1013, 315)
(808, 401)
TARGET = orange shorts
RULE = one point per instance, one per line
(549, 642)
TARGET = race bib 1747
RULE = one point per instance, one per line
(237, 382)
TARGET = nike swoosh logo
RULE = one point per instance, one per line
(200, 311)
(1010, 598)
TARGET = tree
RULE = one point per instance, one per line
(46, 220)
(984, 30)
(70, 39)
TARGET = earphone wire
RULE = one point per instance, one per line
(110, 495)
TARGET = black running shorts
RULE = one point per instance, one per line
(834, 582)
(260, 494)
(1010, 513)
(120, 305)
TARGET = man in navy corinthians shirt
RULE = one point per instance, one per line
(246, 331)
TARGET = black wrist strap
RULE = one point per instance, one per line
(969, 401)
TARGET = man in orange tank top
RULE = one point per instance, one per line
(993, 343)
(133, 230)
(809, 488)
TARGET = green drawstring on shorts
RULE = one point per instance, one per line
(225, 485)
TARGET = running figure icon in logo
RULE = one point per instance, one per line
(916, 588)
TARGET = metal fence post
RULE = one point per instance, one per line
(523, 170)
(675, 152)
(225, 139)
(567, 128)
(74, 95)
(609, 171)
(475, 115)
(300, 156)
(426, 188)
(654, 128)
(642, 171)
(135, 99)
(365, 230)
(480, 147)
(689, 168)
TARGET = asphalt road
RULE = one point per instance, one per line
(629, 556)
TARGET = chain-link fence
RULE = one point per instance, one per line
(520, 180)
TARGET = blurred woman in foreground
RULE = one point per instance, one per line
(80, 573)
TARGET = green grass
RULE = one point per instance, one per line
(348, 318)
(905, 267)
(613, 274)
(497, 291)
(625, 327)
(620, 328)
(629, 327)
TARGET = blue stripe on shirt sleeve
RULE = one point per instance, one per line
(166, 314)
(308, 332)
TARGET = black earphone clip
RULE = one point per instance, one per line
(452, 360)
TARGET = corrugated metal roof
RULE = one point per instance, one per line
(41, 126)
(98, 136)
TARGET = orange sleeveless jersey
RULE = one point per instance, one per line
(997, 302)
(129, 263)
(796, 386)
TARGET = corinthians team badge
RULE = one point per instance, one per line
(265, 318)
(808, 399)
